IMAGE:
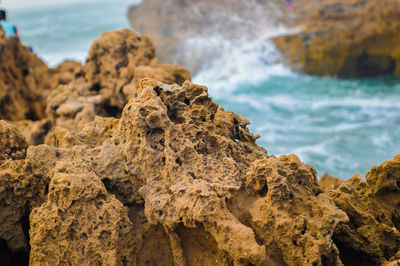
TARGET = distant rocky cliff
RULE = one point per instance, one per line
(345, 38)
(341, 38)
(132, 164)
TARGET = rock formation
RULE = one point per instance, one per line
(23, 81)
(345, 38)
(132, 165)
(116, 63)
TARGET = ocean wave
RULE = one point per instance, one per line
(239, 62)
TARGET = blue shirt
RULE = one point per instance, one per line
(9, 29)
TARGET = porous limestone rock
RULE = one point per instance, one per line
(23, 81)
(288, 212)
(138, 172)
(181, 168)
(80, 223)
(12, 144)
(372, 236)
(116, 62)
(20, 188)
(328, 182)
(179, 174)
(344, 38)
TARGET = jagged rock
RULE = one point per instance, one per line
(345, 38)
(23, 82)
(181, 168)
(80, 223)
(288, 212)
(20, 189)
(132, 165)
(116, 62)
(12, 144)
(328, 182)
(34, 131)
(372, 236)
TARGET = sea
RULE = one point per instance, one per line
(340, 126)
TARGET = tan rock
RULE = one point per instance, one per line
(372, 235)
(289, 213)
(12, 144)
(345, 38)
(20, 189)
(116, 62)
(139, 172)
(23, 82)
(183, 168)
(80, 223)
(328, 182)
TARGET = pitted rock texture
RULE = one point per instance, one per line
(290, 216)
(23, 81)
(138, 172)
(372, 237)
(328, 182)
(21, 188)
(344, 38)
(12, 144)
(178, 173)
(116, 63)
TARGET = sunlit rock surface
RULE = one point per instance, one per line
(344, 38)
(132, 165)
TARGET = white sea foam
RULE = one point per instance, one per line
(239, 62)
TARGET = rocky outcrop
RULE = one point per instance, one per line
(345, 38)
(23, 81)
(188, 32)
(176, 168)
(116, 63)
(131, 165)
(328, 182)
(36, 98)
(372, 236)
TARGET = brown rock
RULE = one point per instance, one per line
(328, 182)
(133, 165)
(372, 236)
(345, 38)
(20, 188)
(116, 62)
(23, 82)
(182, 169)
(289, 213)
(12, 144)
(80, 223)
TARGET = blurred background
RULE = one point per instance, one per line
(253, 56)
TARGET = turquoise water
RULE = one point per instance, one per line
(66, 31)
(339, 126)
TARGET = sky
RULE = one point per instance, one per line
(28, 3)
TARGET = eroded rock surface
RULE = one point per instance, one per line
(372, 237)
(133, 165)
(345, 38)
(23, 81)
(180, 174)
(116, 63)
